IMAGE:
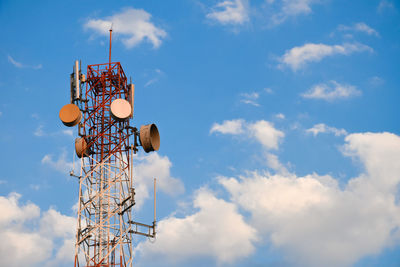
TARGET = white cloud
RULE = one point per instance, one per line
(380, 154)
(230, 12)
(290, 8)
(359, 27)
(32, 239)
(228, 127)
(133, 25)
(266, 134)
(39, 131)
(331, 91)
(157, 74)
(376, 81)
(250, 98)
(280, 116)
(262, 131)
(217, 230)
(21, 65)
(323, 128)
(299, 56)
(68, 132)
(274, 163)
(14, 62)
(316, 222)
(61, 164)
(385, 5)
(13, 213)
(268, 90)
(148, 167)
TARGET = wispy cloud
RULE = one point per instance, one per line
(61, 164)
(280, 116)
(331, 91)
(250, 98)
(359, 27)
(323, 128)
(268, 90)
(21, 65)
(385, 5)
(376, 81)
(299, 56)
(290, 8)
(228, 127)
(230, 12)
(39, 131)
(134, 25)
(68, 132)
(262, 131)
(156, 75)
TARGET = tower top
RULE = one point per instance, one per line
(109, 57)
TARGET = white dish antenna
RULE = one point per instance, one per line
(120, 109)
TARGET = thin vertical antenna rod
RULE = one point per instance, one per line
(109, 58)
(154, 201)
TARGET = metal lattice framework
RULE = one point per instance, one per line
(105, 228)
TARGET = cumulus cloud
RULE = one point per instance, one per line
(331, 91)
(359, 27)
(134, 26)
(250, 98)
(230, 12)
(323, 128)
(217, 230)
(21, 65)
(148, 167)
(33, 239)
(314, 220)
(299, 56)
(262, 131)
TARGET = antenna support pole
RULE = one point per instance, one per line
(109, 57)
(154, 201)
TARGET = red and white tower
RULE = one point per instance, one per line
(102, 107)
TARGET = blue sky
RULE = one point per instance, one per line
(280, 136)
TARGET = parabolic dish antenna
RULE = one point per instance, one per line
(81, 147)
(149, 137)
(120, 109)
(70, 115)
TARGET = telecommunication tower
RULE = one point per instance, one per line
(101, 105)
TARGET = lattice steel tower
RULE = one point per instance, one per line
(102, 106)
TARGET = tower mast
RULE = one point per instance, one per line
(105, 146)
